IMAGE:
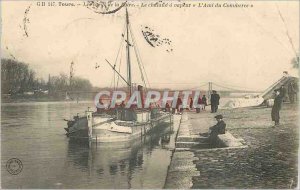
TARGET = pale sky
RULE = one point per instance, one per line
(238, 46)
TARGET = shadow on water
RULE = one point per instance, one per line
(34, 133)
(120, 160)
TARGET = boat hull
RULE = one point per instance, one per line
(105, 129)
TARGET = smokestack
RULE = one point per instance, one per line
(140, 89)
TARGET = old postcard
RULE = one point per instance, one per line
(149, 94)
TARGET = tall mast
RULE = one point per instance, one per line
(128, 53)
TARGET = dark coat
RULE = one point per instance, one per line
(292, 88)
(282, 91)
(276, 108)
(214, 99)
(217, 129)
(191, 103)
(179, 102)
(199, 100)
(204, 100)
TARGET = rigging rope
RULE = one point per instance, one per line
(287, 31)
(120, 67)
(115, 63)
(266, 31)
(141, 65)
(137, 57)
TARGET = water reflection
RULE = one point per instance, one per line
(34, 133)
(120, 160)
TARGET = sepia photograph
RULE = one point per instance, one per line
(145, 94)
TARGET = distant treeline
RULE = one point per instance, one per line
(18, 78)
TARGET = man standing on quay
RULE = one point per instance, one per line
(214, 101)
(276, 107)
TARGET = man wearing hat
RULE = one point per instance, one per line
(214, 101)
(217, 129)
(277, 106)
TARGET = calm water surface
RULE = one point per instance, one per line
(34, 133)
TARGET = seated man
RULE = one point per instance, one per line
(215, 130)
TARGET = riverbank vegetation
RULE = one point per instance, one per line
(20, 82)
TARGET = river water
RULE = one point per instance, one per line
(34, 133)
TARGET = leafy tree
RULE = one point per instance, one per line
(17, 77)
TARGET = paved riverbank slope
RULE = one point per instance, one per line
(269, 161)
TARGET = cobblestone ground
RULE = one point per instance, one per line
(269, 161)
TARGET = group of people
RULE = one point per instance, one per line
(219, 128)
(179, 105)
(202, 101)
(214, 102)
